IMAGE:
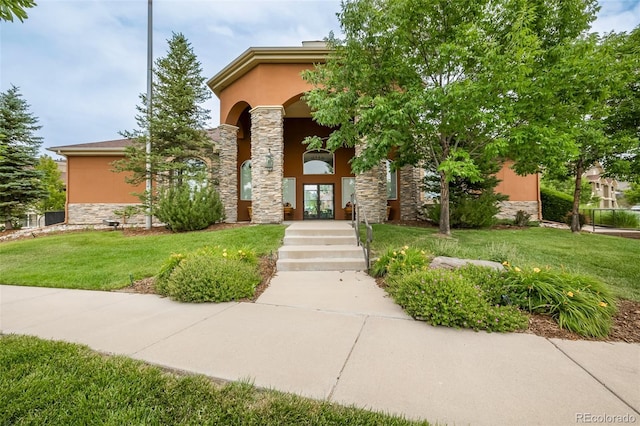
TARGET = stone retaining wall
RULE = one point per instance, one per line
(95, 213)
(508, 209)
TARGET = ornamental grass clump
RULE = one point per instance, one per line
(445, 297)
(209, 275)
(399, 261)
(578, 303)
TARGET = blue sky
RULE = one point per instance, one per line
(81, 64)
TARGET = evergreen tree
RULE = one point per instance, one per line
(20, 181)
(176, 121)
(53, 185)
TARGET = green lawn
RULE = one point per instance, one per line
(614, 260)
(58, 383)
(105, 260)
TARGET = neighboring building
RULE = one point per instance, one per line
(265, 173)
(604, 188)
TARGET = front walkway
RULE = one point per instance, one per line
(335, 336)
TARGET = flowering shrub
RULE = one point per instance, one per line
(445, 297)
(210, 274)
(399, 261)
(578, 303)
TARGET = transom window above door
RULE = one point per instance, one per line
(318, 162)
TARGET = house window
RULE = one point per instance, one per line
(318, 162)
(392, 181)
(245, 181)
(289, 191)
(348, 188)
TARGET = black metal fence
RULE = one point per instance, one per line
(52, 218)
(613, 218)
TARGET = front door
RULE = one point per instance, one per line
(318, 201)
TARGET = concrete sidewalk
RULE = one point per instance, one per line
(336, 336)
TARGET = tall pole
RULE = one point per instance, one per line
(149, 188)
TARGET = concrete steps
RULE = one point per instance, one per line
(320, 246)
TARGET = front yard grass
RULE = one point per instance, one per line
(613, 260)
(107, 260)
(46, 382)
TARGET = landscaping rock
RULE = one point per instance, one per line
(443, 262)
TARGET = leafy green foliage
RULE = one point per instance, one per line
(578, 303)
(186, 208)
(53, 185)
(20, 180)
(15, 8)
(616, 218)
(209, 275)
(444, 297)
(399, 261)
(522, 218)
(59, 383)
(555, 205)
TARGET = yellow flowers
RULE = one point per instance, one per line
(505, 263)
(536, 270)
(570, 293)
(604, 305)
(517, 269)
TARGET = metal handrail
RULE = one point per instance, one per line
(356, 220)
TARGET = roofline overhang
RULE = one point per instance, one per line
(254, 56)
(95, 152)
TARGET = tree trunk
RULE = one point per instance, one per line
(575, 211)
(8, 225)
(445, 227)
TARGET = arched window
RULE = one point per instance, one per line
(318, 162)
(392, 181)
(245, 181)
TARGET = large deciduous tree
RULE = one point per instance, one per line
(20, 181)
(437, 82)
(176, 122)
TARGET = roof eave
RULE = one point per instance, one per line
(265, 55)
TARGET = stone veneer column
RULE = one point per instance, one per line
(229, 171)
(409, 192)
(267, 135)
(371, 191)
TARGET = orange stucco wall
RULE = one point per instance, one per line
(266, 84)
(91, 180)
(518, 188)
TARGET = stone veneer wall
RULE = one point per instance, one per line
(267, 135)
(508, 209)
(95, 213)
(371, 192)
(409, 192)
(228, 175)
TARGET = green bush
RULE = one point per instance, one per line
(522, 218)
(444, 297)
(578, 303)
(186, 208)
(582, 219)
(467, 211)
(399, 261)
(209, 275)
(555, 204)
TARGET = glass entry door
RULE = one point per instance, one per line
(318, 201)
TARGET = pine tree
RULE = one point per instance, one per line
(20, 181)
(177, 121)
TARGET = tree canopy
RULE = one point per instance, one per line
(442, 83)
(53, 185)
(20, 181)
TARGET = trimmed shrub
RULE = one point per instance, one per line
(522, 218)
(210, 274)
(467, 211)
(444, 297)
(184, 208)
(555, 204)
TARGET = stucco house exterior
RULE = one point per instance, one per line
(605, 188)
(265, 173)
